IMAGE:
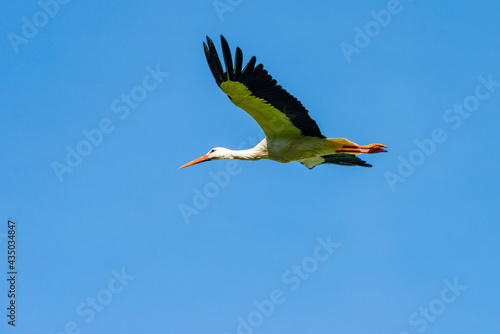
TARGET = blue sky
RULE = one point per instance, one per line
(102, 102)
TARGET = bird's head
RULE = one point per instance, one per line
(217, 153)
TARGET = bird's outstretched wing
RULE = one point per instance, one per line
(252, 89)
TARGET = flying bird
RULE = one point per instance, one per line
(291, 134)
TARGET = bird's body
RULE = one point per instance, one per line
(291, 134)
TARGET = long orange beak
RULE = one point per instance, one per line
(196, 161)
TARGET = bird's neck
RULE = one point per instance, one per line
(256, 153)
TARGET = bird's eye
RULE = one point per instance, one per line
(212, 151)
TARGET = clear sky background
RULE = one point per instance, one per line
(119, 240)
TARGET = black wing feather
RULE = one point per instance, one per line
(261, 84)
(344, 159)
(238, 63)
(228, 60)
(248, 70)
(214, 62)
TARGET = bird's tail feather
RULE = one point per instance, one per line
(339, 143)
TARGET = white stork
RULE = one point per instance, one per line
(291, 134)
